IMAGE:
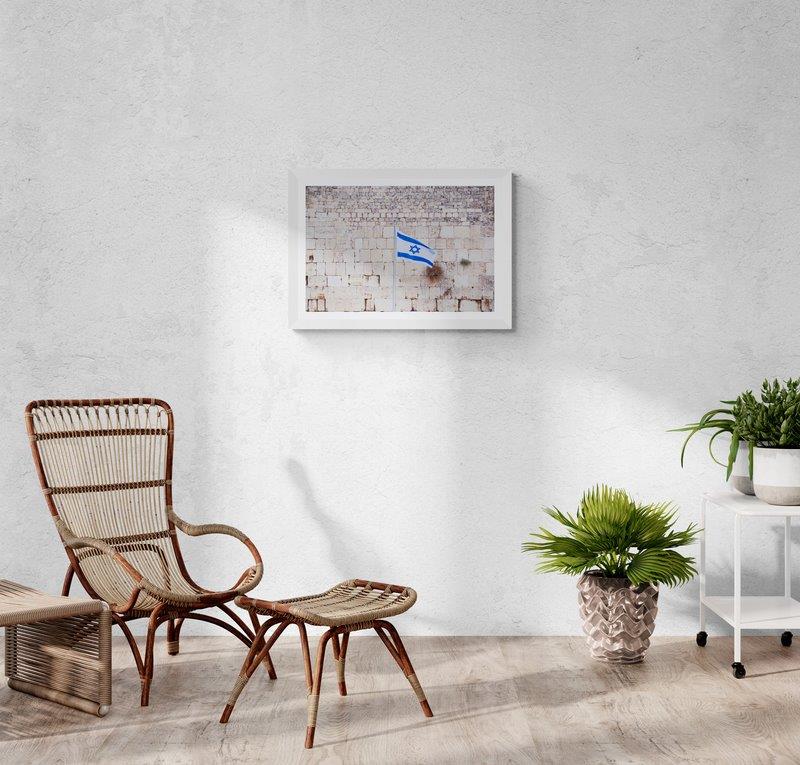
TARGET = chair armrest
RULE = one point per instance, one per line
(140, 581)
(77, 543)
(251, 576)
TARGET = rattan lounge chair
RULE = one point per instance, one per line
(105, 468)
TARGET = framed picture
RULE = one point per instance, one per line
(400, 249)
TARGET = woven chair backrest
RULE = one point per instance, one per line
(106, 468)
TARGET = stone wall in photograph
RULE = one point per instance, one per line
(350, 254)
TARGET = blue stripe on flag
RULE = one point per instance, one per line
(406, 238)
(408, 256)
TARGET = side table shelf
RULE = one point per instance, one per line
(748, 612)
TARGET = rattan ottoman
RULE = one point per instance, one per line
(356, 604)
(57, 648)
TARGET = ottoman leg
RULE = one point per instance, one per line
(268, 665)
(338, 659)
(313, 697)
(258, 650)
(397, 649)
(306, 656)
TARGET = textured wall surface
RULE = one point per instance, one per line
(350, 248)
(656, 152)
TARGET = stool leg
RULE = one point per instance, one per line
(268, 665)
(306, 656)
(313, 697)
(258, 650)
(397, 649)
(338, 660)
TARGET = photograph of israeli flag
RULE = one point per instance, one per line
(412, 249)
(420, 248)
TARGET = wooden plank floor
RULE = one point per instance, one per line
(496, 700)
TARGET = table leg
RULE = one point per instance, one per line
(702, 564)
(737, 589)
(787, 557)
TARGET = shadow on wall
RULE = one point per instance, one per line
(348, 551)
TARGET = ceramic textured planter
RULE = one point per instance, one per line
(776, 475)
(740, 475)
(618, 618)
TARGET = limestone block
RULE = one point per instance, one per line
(423, 304)
(472, 293)
(469, 305)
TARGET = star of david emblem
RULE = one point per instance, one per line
(414, 249)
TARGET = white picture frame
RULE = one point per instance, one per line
(301, 318)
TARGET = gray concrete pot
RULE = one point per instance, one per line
(776, 475)
(740, 475)
(618, 618)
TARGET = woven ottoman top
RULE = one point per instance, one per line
(20, 605)
(350, 602)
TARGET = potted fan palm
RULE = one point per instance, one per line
(771, 426)
(622, 551)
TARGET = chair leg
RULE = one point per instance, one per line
(338, 659)
(65, 587)
(313, 697)
(147, 676)
(306, 655)
(137, 656)
(255, 656)
(173, 638)
(397, 649)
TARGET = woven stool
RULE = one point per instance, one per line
(57, 648)
(353, 605)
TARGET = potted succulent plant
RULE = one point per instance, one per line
(740, 454)
(771, 426)
(622, 551)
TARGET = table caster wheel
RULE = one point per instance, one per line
(738, 670)
(702, 639)
(786, 639)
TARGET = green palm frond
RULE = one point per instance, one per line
(614, 534)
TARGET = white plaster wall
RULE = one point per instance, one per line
(145, 148)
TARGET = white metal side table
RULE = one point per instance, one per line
(749, 612)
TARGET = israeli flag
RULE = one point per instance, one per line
(412, 249)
